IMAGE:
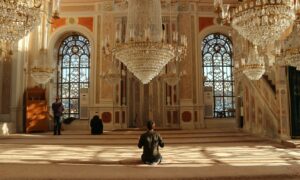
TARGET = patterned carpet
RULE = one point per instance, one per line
(196, 154)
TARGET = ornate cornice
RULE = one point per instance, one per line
(177, 5)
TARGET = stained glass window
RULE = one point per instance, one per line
(217, 72)
(74, 73)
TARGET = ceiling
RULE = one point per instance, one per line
(97, 1)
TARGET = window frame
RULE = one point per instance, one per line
(215, 47)
(74, 45)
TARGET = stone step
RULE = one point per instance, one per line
(142, 172)
(292, 143)
(132, 137)
(77, 125)
(213, 123)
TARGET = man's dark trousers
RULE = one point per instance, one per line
(57, 125)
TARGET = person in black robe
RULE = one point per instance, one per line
(96, 125)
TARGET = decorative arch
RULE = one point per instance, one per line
(214, 29)
(56, 38)
(217, 53)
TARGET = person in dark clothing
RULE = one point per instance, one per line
(96, 125)
(57, 108)
(150, 141)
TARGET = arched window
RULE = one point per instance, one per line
(74, 73)
(217, 71)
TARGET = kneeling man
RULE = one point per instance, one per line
(150, 141)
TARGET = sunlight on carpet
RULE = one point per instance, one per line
(183, 155)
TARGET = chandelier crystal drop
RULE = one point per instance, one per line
(263, 22)
(290, 52)
(145, 51)
(255, 67)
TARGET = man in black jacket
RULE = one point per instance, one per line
(150, 141)
(58, 109)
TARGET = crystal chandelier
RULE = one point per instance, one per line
(42, 72)
(262, 22)
(290, 52)
(173, 75)
(171, 78)
(145, 51)
(255, 66)
(19, 17)
(41, 75)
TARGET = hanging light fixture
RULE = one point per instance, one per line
(290, 52)
(255, 66)
(42, 70)
(262, 22)
(172, 77)
(145, 51)
(19, 17)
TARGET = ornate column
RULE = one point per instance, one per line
(18, 84)
(283, 101)
(185, 21)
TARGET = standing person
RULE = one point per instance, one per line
(58, 109)
(150, 141)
